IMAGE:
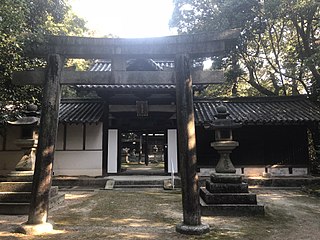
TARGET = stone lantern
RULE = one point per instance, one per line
(223, 143)
(28, 138)
(225, 193)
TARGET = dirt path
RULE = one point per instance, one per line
(152, 214)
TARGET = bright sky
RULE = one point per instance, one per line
(126, 18)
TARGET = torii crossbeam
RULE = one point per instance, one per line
(182, 49)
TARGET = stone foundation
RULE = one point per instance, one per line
(267, 171)
(226, 194)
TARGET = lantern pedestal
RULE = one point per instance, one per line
(225, 148)
(27, 161)
(227, 195)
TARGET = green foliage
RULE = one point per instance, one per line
(278, 51)
(22, 22)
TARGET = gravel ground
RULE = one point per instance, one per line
(153, 213)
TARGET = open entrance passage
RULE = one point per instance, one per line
(143, 153)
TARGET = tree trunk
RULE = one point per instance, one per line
(257, 86)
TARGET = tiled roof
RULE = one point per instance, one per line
(101, 66)
(105, 66)
(80, 111)
(259, 111)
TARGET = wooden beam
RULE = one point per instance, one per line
(37, 77)
(133, 108)
(105, 136)
(196, 45)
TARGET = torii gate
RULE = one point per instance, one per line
(182, 49)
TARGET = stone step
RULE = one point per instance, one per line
(14, 208)
(227, 187)
(230, 209)
(22, 208)
(138, 182)
(79, 182)
(15, 186)
(225, 178)
(227, 198)
(15, 197)
(138, 186)
(20, 197)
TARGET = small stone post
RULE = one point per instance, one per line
(42, 180)
(187, 150)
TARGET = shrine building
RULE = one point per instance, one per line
(132, 129)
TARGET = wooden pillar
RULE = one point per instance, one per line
(187, 149)
(146, 150)
(140, 147)
(105, 133)
(165, 151)
(315, 134)
(42, 179)
(119, 151)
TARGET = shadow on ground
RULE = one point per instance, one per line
(152, 214)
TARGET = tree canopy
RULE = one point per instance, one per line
(21, 22)
(278, 52)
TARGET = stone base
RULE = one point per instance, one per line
(226, 194)
(231, 209)
(35, 229)
(167, 184)
(192, 230)
(230, 198)
(20, 174)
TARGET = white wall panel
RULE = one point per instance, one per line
(172, 151)
(112, 151)
(60, 137)
(78, 163)
(94, 136)
(74, 139)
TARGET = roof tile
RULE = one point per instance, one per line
(260, 111)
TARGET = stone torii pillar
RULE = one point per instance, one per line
(187, 150)
(42, 179)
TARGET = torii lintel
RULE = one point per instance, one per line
(195, 45)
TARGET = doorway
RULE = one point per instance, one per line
(143, 153)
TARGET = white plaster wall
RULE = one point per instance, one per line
(74, 160)
(94, 136)
(59, 142)
(78, 163)
(13, 133)
(113, 151)
(74, 138)
(172, 151)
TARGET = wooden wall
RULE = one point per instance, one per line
(259, 146)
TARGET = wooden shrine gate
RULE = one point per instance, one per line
(182, 49)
